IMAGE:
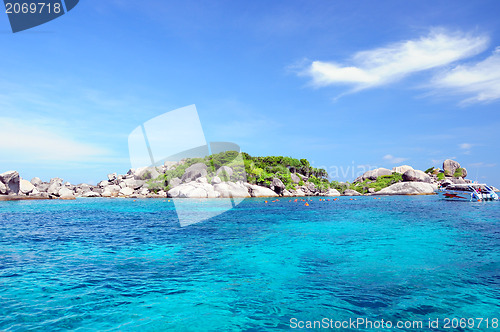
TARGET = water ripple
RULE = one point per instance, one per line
(109, 265)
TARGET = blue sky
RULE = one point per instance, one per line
(347, 85)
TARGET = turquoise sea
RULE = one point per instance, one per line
(120, 264)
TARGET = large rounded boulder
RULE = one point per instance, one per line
(350, 192)
(402, 169)
(332, 192)
(225, 172)
(3, 189)
(232, 189)
(194, 171)
(175, 182)
(408, 188)
(144, 173)
(26, 187)
(258, 191)
(193, 189)
(65, 193)
(450, 167)
(277, 186)
(416, 175)
(11, 181)
(374, 174)
(36, 181)
(295, 178)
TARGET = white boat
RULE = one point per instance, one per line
(472, 192)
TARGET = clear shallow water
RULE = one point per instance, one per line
(102, 264)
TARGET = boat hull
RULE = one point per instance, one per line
(455, 195)
(468, 196)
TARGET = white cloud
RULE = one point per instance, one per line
(481, 80)
(394, 160)
(388, 64)
(466, 146)
(35, 142)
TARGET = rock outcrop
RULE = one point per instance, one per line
(65, 193)
(11, 182)
(408, 188)
(302, 177)
(127, 191)
(374, 174)
(232, 189)
(414, 175)
(295, 178)
(36, 181)
(310, 188)
(175, 182)
(134, 184)
(3, 189)
(225, 173)
(91, 194)
(402, 169)
(450, 166)
(146, 173)
(216, 180)
(26, 187)
(258, 191)
(457, 180)
(193, 189)
(299, 193)
(277, 186)
(194, 171)
(350, 192)
(55, 186)
(332, 192)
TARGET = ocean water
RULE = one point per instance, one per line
(124, 265)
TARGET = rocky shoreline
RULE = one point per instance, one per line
(196, 182)
(135, 184)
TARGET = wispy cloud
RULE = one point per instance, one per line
(481, 80)
(466, 147)
(394, 160)
(381, 66)
(33, 142)
(481, 164)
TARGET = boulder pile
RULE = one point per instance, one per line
(417, 182)
(195, 182)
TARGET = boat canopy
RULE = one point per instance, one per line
(468, 187)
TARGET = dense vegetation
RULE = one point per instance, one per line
(255, 170)
(262, 170)
(459, 172)
(430, 170)
(379, 184)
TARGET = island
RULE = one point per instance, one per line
(234, 174)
